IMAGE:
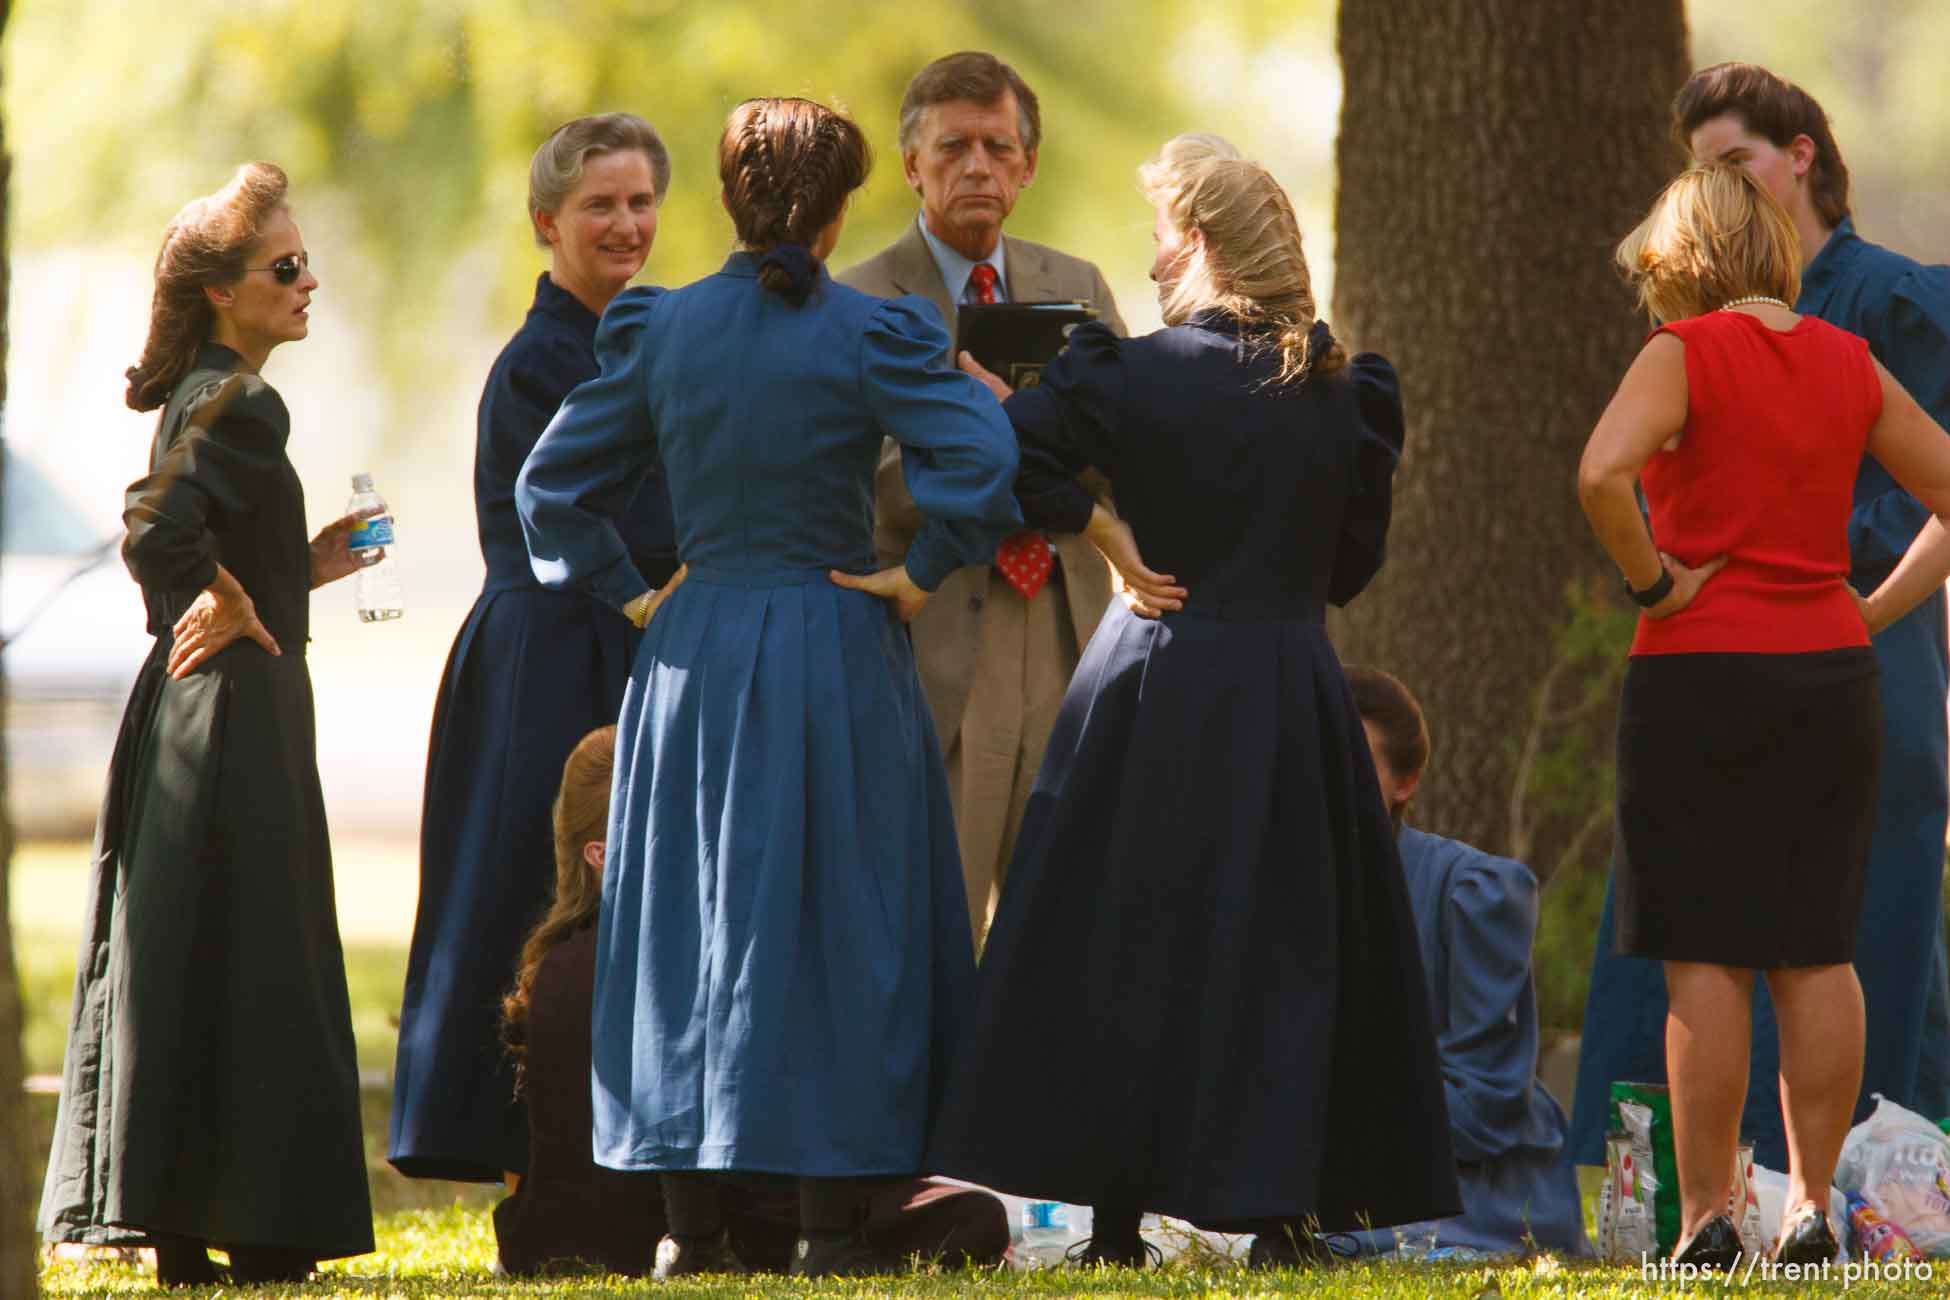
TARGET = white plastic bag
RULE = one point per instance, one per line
(1900, 1162)
(1770, 1190)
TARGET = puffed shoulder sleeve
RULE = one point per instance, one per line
(1488, 1039)
(1364, 528)
(230, 442)
(958, 457)
(590, 462)
(1911, 338)
(1066, 424)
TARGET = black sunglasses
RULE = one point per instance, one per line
(288, 268)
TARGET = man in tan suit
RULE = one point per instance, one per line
(994, 661)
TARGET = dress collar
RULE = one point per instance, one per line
(552, 299)
(212, 355)
(1822, 274)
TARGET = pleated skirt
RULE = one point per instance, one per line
(783, 957)
(1202, 994)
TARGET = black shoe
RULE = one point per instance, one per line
(1716, 1245)
(1114, 1252)
(259, 1265)
(1290, 1248)
(1809, 1241)
(183, 1261)
(692, 1256)
(847, 1256)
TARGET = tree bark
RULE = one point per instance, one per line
(1491, 155)
(19, 1274)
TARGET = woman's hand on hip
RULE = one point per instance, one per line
(221, 613)
(331, 559)
(1145, 593)
(989, 379)
(1685, 584)
(891, 585)
(658, 597)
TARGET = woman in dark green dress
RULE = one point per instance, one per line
(211, 1094)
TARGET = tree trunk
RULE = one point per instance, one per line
(18, 1271)
(1491, 155)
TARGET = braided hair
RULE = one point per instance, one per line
(209, 242)
(787, 166)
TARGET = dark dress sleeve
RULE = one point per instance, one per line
(525, 394)
(1364, 528)
(1488, 1034)
(218, 466)
(591, 462)
(1065, 425)
(958, 459)
(1913, 343)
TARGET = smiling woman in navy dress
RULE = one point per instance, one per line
(783, 955)
(531, 671)
(1202, 994)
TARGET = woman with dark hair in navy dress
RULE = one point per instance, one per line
(531, 671)
(1202, 995)
(783, 959)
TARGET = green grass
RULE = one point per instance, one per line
(448, 1252)
(435, 1239)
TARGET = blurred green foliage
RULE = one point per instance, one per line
(417, 118)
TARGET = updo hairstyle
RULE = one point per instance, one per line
(208, 243)
(1249, 263)
(788, 166)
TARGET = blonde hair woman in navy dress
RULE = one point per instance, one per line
(1202, 994)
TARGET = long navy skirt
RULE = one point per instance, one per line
(532, 672)
(1202, 995)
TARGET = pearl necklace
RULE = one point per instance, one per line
(1754, 298)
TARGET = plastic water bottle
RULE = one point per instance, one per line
(1045, 1233)
(375, 588)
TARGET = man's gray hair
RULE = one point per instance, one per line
(973, 75)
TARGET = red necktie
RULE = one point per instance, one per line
(1025, 559)
(983, 278)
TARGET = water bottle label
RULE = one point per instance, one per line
(370, 533)
(1044, 1215)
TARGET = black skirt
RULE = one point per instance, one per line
(1203, 994)
(1746, 801)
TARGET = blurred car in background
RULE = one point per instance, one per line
(71, 640)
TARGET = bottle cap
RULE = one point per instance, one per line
(362, 482)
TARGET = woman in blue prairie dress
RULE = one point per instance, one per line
(783, 957)
(1202, 994)
(532, 671)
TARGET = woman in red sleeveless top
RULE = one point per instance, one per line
(1748, 735)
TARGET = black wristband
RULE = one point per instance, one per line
(1652, 595)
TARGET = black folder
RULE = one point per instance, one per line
(1015, 340)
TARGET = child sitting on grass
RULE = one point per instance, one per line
(570, 1214)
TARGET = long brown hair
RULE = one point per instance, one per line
(1250, 262)
(581, 816)
(787, 166)
(209, 242)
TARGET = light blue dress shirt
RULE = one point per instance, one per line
(955, 269)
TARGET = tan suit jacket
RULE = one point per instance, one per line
(947, 632)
